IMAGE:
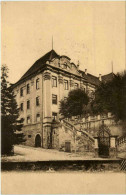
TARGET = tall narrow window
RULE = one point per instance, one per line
(22, 107)
(54, 115)
(54, 99)
(28, 88)
(37, 83)
(66, 84)
(54, 81)
(76, 85)
(21, 92)
(37, 101)
(28, 120)
(38, 117)
(28, 104)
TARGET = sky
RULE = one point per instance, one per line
(92, 33)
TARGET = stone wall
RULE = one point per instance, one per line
(30, 132)
(79, 142)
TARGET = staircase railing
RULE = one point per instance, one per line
(121, 140)
(71, 126)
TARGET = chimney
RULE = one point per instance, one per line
(86, 71)
(100, 79)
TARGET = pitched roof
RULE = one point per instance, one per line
(93, 79)
(40, 63)
(90, 78)
(107, 77)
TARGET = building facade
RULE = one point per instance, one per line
(39, 92)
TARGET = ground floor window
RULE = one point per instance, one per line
(54, 115)
(28, 120)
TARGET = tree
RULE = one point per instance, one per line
(111, 97)
(75, 103)
(11, 126)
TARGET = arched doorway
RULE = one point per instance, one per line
(38, 141)
(104, 141)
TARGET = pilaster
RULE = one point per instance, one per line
(47, 90)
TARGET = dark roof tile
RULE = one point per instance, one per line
(107, 77)
(40, 63)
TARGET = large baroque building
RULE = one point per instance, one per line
(39, 91)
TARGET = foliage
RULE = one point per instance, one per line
(11, 126)
(111, 97)
(74, 104)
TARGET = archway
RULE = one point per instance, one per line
(38, 141)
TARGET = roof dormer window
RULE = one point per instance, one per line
(65, 65)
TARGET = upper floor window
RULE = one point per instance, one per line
(76, 85)
(28, 88)
(28, 120)
(54, 99)
(28, 104)
(21, 92)
(37, 101)
(54, 81)
(38, 117)
(65, 65)
(22, 107)
(37, 83)
(66, 84)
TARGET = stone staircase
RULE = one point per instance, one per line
(82, 140)
(77, 130)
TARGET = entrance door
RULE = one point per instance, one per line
(104, 144)
(38, 141)
(67, 147)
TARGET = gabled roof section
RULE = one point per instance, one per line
(107, 77)
(93, 79)
(40, 63)
(90, 78)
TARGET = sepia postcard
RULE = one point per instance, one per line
(63, 97)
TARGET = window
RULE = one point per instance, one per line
(65, 99)
(54, 115)
(37, 83)
(28, 88)
(21, 92)
(76, 85)
(28, 120)
(22, 120)
(54, 99)
(37, 101)
(28, 104)
(65, 65)
(22, 107)
(38, 117)
(54, 81)
(65, 84)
